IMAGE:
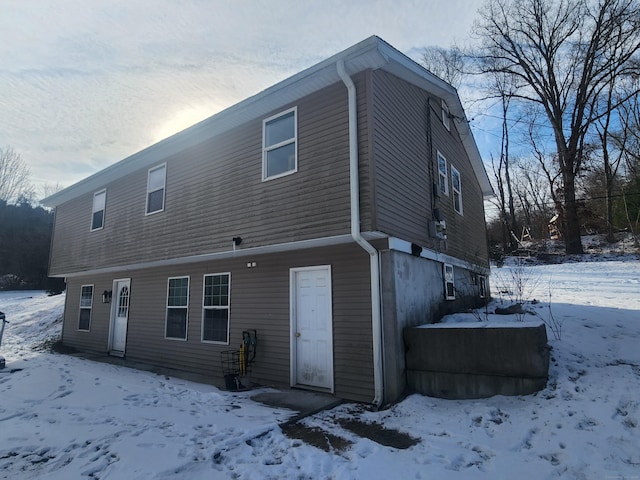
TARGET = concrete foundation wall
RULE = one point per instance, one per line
(461, 362)
(412, 294)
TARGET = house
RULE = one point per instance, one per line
(327, 212)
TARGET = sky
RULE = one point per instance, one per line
(65, 417)
(86, 84)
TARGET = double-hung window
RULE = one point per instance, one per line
(279, 145)
(443, 184)
(445, 116)
(456, 186)
(156, 181)
(86, 303)
(97, 211)
(177, 308)
(215, 308)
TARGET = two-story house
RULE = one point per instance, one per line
(327, 213)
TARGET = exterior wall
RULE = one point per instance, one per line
(214, 192)
(407, 134)
(413, 294)
(259, 300)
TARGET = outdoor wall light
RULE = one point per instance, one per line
(106, 296)
(237, 240)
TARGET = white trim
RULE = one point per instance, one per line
(166, 309)
(455, 190)
(266, 149)
(228, 308)
(443, 178)
(293, 324)
(90, 307)
(94, 211)
(163, 188)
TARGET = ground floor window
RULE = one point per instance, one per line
(86, 303)
(215, 308)
(177, 308)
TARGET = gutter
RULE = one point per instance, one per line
(376, 320)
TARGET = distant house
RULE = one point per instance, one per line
(327, 212)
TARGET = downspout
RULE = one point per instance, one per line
(354, 184)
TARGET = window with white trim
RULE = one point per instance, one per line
(456, 187)
(177, 308)
(215, 308)
(156, 181)
(482, 286)
(443, 184)
(97, 211)
(279, 144)
(449, 282)
(445, 116)
(86, 304)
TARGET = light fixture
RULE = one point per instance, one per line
(106, 296)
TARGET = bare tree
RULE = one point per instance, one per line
(565, 53)
(446, 63)
(14, 177)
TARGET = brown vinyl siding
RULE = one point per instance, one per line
(404, 176)
(214, 191)
(259, 300)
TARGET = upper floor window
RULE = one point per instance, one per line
(177, 308)
(279, 145)
(443, 185)
(86, 303)
(215, 308)
(456, 186)
(97, 212)
(156, 181)
(445, 115)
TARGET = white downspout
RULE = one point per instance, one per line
(354, 184)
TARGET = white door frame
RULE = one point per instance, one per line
(114, 310)
(293, 323)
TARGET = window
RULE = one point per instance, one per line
(97, 212)
(177, 307)
(483, 286)
(449, 284)
(155, 189)
(443, 185)
(445, 116)
(215, 308)
(86, 302)
(279, 146)
(456, 186)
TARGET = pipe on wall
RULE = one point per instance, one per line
(354, 184)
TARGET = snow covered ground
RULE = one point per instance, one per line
(63, 417)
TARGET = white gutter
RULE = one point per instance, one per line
(376, 322)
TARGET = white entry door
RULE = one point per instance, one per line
(120, 316)
(311, 328)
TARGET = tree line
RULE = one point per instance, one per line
(25, 230)
(563, 77)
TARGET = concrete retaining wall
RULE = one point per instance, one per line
(470, 362)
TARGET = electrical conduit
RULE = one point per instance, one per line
(376, 322)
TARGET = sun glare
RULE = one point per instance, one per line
(181, 120)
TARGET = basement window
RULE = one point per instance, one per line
(482, 286)
(449, 283)
(86, 304)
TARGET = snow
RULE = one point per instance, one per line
(64, 417)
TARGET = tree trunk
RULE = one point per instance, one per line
(572, 238)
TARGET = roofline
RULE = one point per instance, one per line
(371, 53)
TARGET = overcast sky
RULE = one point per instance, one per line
(84, 84)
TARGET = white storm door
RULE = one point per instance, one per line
(120, 316)
(311, 328)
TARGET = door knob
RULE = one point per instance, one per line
(297, 334)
